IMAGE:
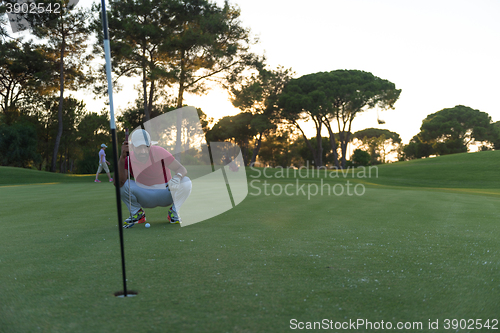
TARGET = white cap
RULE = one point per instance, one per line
(104, 146)
(141, 137)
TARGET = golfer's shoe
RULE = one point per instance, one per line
(111, 180)
(97, 181)
(172, 217)
(139, 217)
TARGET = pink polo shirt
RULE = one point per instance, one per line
(153, 171)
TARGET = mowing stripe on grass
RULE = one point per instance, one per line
(28, 184)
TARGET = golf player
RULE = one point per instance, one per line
(153, 184)
(103, 164)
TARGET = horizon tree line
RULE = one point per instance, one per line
(172, 47)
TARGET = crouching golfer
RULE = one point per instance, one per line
(153, 185)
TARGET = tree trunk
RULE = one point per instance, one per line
(178, 140)
(308, 143)
(182, 74)
(6, 98)
(256, 149)
(343, 148)
(151, 94)
(333, 143)
(145, 85)
(244, 150)
(344, 141)
(319, 143)
(344, 137)
(60, 111)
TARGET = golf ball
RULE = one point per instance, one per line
(147, 225)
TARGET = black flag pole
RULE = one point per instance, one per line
(107, 54)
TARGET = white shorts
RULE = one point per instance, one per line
(103, 166)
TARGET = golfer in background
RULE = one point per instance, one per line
(103, 164)
(153, 184)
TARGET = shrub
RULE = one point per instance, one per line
(360, 158)
(18, 145)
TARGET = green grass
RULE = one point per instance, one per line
(406, 250)
(473, 170)
(18, 176)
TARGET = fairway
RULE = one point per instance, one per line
(402, 252)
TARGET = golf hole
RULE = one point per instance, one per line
(130, 293)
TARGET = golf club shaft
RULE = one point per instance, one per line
(128, 169)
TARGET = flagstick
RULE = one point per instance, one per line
(115, 146)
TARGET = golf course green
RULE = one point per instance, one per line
(416, 247)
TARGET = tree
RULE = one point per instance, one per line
(417, 149)
(208, 40)
(350, 92)
(496, 135)
(303, 99)
(236, 129)
(175, 42)
(336, 96)
(453, 130)
(25, 70)
(18, 145)
(47, 123)
(258, 94)
(73, 114)
(134, 116)
(92, 131)
(327, 155)
(377, 141)
(279, 149)
(139, 30)
(361, 158)
(66, 35)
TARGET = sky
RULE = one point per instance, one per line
(441, 53)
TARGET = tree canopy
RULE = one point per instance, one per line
(304, 99)
(66, 35)
(378, 142)
(174, 47)
(417, 149)
(453, 130)
(336, 96)
(258, 94)
(236, 129)
(174, 43)
(25, 70)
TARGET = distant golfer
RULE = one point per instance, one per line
(153, 185)
(103, 164)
